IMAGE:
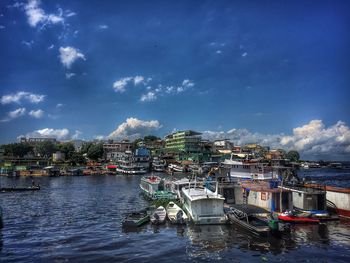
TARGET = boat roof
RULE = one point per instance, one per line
(261, 186)
(249, 209)
(198, 193)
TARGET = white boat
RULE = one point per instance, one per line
(175, 214)
(158, 216)
(158, 165)
(204, 206)
(176, 185)
(128, 167)
(248, 169)
(175, 168)
(150, 185)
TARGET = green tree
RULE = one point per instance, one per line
(78, 159)
(17, 149)
(67, 148)
(86, 146)
(95, 151)
(293, 156)
(46, 148)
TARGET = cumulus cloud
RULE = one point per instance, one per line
(76, 135)
(14, 114)
(59, 134)
(36, 15)
(148, 96)
(22, 95)
(133, 128)
(68, 55)
(312, 140)
(121, 84)
(36, 113)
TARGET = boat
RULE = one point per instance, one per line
(294, 216)
(175, 168)
(247, 169)
(175, 214)
(176, 185)
(204, 206)
(126, 167)
(158, 216)
(158, 165)
(136, 219)
(20, 189)
(254, 219)
(150, 186)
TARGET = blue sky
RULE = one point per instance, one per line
(87, 69)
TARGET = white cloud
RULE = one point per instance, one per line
(51, 46)
(76, 135)
(70, 13)
(2, 27)
(36, 113)
(244, 54)
(14, 114)
(36, 15)
(120, 84)
(150, 96)
(59, 134)
(68, 55)
(22, 95)
(103, 27)
(29, 44)
(70, 75)
(138, 80)
(133, 128)
(311, 140)
(59, 105)
(218, 52)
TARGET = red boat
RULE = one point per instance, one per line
(294, 217)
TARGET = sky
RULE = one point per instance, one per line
(272, 72)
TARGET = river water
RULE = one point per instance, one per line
(78, 219)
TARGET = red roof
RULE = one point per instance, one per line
(111, 166)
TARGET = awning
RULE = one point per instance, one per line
(111, 166)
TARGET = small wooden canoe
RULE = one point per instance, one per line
(136, 219)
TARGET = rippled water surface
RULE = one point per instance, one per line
(78, 219)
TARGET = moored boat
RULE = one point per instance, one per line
(150, 186)
(254, 219)
(158, 216)
(298, 217)
(175, 214)
(136, 219)
(20, 189)
(158, 165)
(204, 206)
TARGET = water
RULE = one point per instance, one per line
(78, 219)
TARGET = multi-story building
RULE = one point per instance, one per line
(115, 150)
(183, 141)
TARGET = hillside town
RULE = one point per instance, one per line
(185, 150)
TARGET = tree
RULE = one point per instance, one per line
(293, 156)
(95, 151)
(86, 146)
(77, 158)
(17, 149)
(46, 148)
(67, 148)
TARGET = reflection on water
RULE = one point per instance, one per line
(75, 218)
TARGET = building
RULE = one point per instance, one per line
(183, 141)
(115, 150)
(187, 146)
(35, 140)
(58, 157)
(223, 146)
